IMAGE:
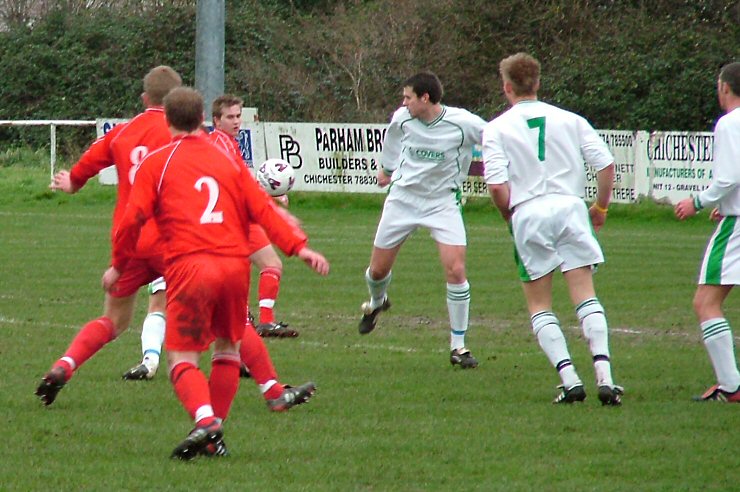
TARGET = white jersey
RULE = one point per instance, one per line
(724, 191)
(434, 157)
(540, 149)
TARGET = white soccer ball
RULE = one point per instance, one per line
(276, 176)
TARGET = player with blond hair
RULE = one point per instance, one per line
(534, 156)
(125, 145)
(202, 201)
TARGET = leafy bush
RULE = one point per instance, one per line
(622, 64)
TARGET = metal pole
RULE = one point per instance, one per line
(53, 150)
(209, 50)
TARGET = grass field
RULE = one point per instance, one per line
(390, 412)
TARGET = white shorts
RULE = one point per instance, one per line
(156, 286)
(721, 264)
(553, 231)
(403, 213)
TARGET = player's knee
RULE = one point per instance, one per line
(377, 272)
(456, 274)
(704, 306)
(120, 324)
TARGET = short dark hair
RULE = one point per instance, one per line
(522, 71)
(183, 107)
(426, 83)
(222, 102)
(730, 74)
(159, 81)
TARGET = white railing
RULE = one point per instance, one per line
(53, 124)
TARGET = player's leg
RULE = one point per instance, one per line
(256, 358)
(546, 327)
(152, 334)
(378, 279)
(192, 389)
(536, 259)
(396, 223)
(268, 263)
(719, 272)
(593, 322)
(224, 378)
(718, 340)
(443, 217)
(93, 336)
(270, 267)
(195, 285)
(452, 258)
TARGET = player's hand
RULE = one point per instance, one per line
(110, 277)
(685, 209)
(62, 181)
(598, 218)
(715, 216)
(315, 260)
(383, 179)
(282, 200)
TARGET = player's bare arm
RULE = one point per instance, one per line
(604, 186)
(63, 181)
(500, 194)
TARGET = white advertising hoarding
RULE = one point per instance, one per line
(679, 164)
(345, 157)
(328, 157)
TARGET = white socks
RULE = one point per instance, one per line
(547, 330)
(152, 338)
(377, 288)
(458, 307)
(593, 321)
(719, 343)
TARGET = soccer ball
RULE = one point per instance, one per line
(276, 176)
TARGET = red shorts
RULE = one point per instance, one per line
(138, 272)
(206, 299)
(257, 238)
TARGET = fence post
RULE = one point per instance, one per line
(53, 150)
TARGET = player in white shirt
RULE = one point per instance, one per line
(534, 156)
(427, 152)
(720, 269)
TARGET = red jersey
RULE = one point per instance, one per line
(203, 201)
(126, 145)
(226, 142)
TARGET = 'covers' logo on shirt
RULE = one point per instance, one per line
(428, 155)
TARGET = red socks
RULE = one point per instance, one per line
(267, 292)
(253, 353)
(223, 382)
(191, 387)
(88, 341)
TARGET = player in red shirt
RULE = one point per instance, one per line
(125, 146)
(203, 202)
(227, 121)
(257, 363)
(227, 114)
